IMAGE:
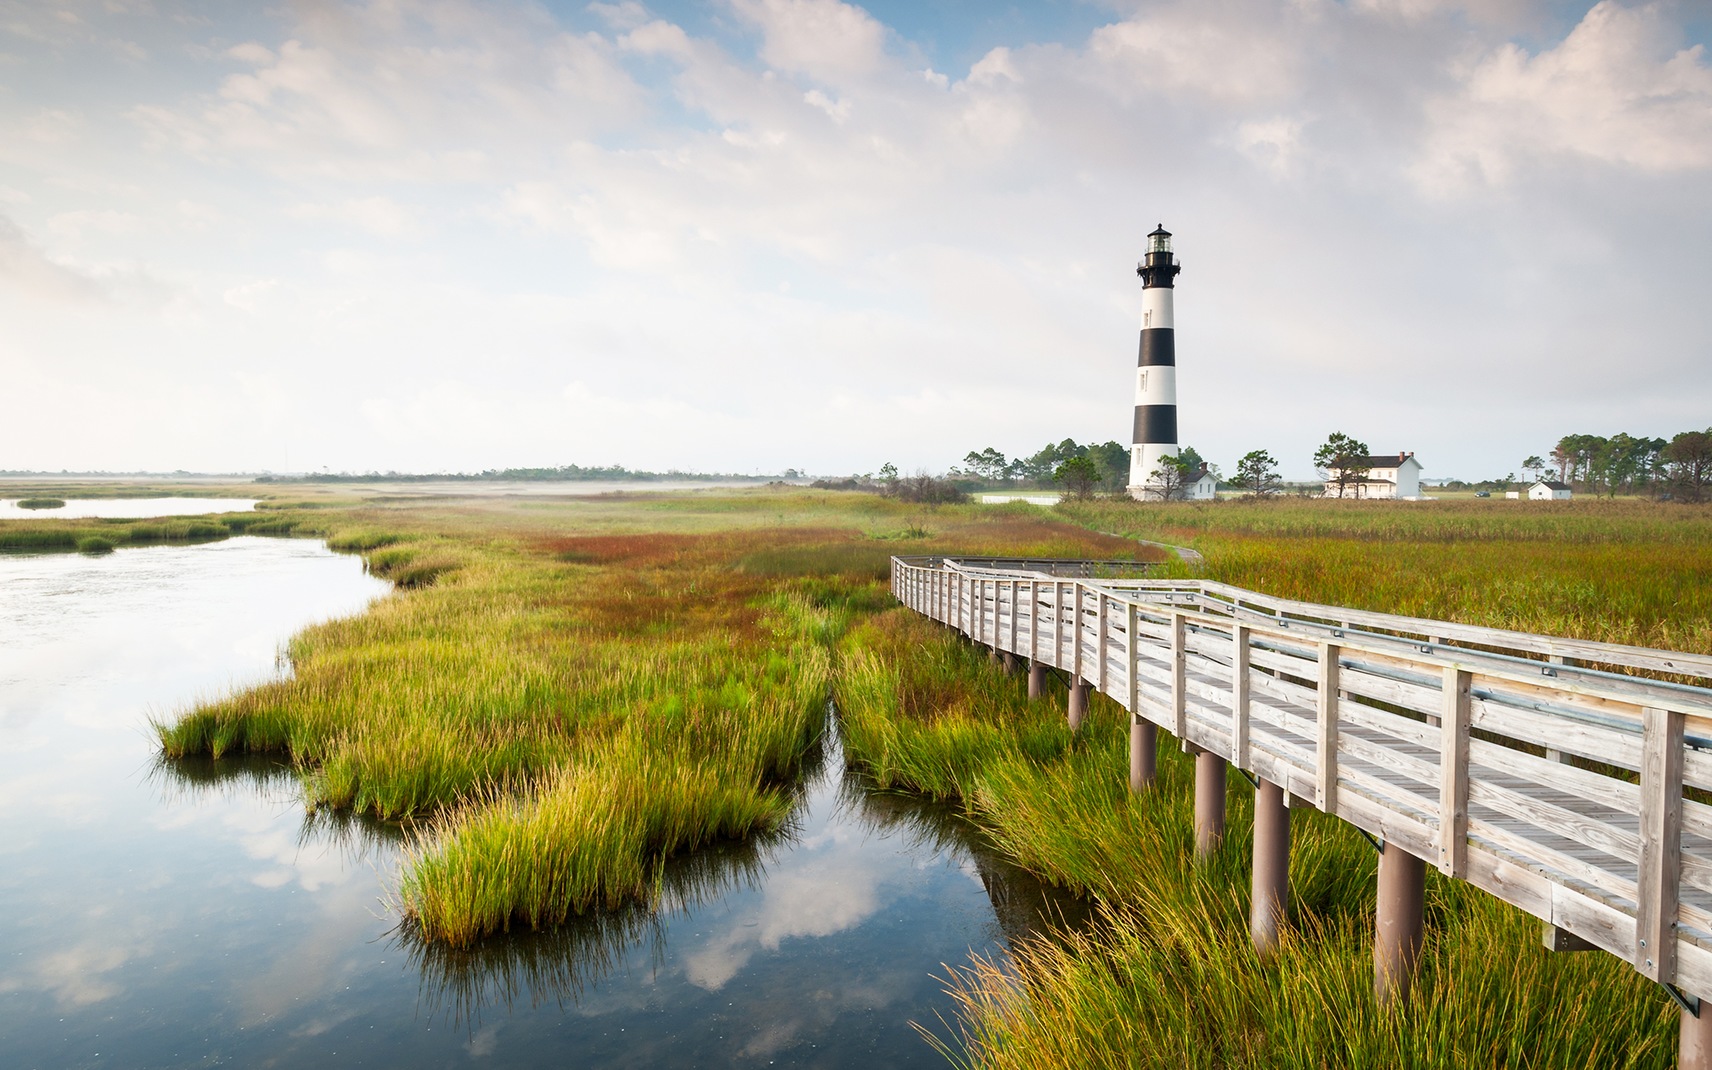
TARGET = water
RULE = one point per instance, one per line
(127, 508)
(189, 913)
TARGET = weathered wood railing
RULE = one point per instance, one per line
(1541, 769)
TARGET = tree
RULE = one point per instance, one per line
(1342, 460)
(1079, 475)
(1170, 480)
(889, 479)
(1534, 466)
(1257, 473)
(988, 464)
(1689, 457)
(1113, 460)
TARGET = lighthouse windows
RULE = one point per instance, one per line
(1147, 318)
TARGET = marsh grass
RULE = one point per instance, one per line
(49, 535)
(1168, 977)
(41, 503)
(561, 709)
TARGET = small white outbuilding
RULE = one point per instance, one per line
(1547, 490)
(1203, 488)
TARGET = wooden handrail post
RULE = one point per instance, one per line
(1179, 677)
(1033, 622)
(1076, 656)
(1105, 657)
(1057, 623)
(1016, 597)
(1453, 771)
(1661, 844)
(1143, 735)
(1240, 695)
(1325, 730)
(1271, 888)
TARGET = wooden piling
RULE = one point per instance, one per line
(1036, 680)
(1078, 704)
(1271, 887)
(1209, 801)
(1397, 929)
(1143, 752)
(1694, 1040)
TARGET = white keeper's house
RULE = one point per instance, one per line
(1549, 490)
(1203, 487)
(1396, 475)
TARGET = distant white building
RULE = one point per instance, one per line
(1203, 488)
(1393, 476)
(1549, 490)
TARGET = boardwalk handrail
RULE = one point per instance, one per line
(1538, 768)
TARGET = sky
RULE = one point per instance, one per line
(746, 235)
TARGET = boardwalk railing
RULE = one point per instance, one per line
(1544, 770)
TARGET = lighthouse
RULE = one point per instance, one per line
(1155, 436)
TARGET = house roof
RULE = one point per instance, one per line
(1394, 460)
(1552, 484)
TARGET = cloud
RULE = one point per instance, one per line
(1619, 90)
(28, 270)
(380, 216)
(825, 40)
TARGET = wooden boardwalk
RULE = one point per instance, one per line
(1546, 771)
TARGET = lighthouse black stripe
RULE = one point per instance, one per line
(1155, 423)
(1158, 346)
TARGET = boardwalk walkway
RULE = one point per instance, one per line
(1566, 777)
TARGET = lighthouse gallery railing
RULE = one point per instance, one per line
(1508, 760)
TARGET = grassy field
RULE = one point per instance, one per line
(566, 692)
(1170, 980)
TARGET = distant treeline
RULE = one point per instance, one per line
(564, 473)
(1630, 464)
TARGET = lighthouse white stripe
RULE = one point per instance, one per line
(1156, 385)
(1144, 461)
(1156, 307)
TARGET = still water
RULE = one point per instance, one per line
(126, 508)
(190, 914)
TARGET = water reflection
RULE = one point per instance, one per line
(126, 508)
(192, 911)
(852, 879)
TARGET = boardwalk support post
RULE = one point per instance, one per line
(1397, 929)
(1694, 1034)
(1143, 752)
(1036, 680)
(1209, 801)
(1078, 704)
(1271, 866)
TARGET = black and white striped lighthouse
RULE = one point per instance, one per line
(1155, 435)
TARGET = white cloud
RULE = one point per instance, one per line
(825, 40)
(26, 268)
(380, 216)
(1618, 90)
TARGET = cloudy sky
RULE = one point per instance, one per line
(743, 235)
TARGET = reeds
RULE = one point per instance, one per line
(564, 710)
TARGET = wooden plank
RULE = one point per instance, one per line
(1325, 769)
(1390, 826)
(1595, 742)
(1241, 701)
(1661, 844)
(1393, 797)
(1401, 730)
(1454, 716)
(1353, 745)
(1595, 788)
(1621, 846)
(1561, 867)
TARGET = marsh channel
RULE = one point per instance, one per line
(157, 913)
